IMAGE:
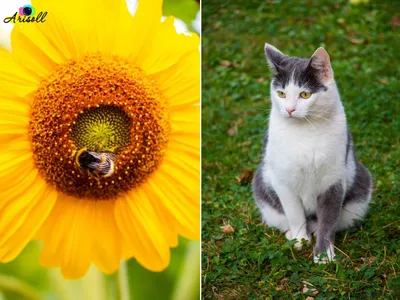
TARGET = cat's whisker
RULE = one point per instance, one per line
(309, 121)
(319, 118)
(267, 110)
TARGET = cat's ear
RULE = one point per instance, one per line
(274, 57)
(321, 62)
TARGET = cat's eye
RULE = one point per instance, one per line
(305, 95)
(281, 94)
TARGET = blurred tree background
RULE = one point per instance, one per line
(24, 278)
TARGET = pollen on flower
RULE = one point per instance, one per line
(104, 105)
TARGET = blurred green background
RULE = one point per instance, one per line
(24, 278)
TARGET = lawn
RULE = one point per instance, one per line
(255, 262)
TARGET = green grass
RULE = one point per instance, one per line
(255, 262)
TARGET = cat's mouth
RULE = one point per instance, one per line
(294, 116)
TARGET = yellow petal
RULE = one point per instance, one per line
(133, 36)
(107, 239)
(118, 12)
(166, 219)
(68, 235)
(142, 231)
(181, 82)
(15, 79)
(185, 174)
(166, 47)
(71, 25)
(12, 120)
(10, 160)
(38, 59)
(78, 232)
(22, 217)
(17, 182)
(186, 123)
(186, 210)
(14, 107)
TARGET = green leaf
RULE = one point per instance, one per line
(185, 10)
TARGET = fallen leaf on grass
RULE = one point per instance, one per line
(383, 80)
(341, 21)
(313, 291)
(225, 63)
(395, 22)
(310, 298)
(245, 177)
(309, 20)
(246, 143)
(369, 261)
(306, 289)
(283, 280)
(232, 131)
(356, 41)
(218, 243)
(227, 228)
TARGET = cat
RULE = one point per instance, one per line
(309, 180)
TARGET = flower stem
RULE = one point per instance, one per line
(189, 280)
(8, 283)
(123, 281)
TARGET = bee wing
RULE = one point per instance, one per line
(111, 156)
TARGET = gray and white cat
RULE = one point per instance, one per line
(309, 180)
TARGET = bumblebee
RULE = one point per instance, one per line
(98, 164)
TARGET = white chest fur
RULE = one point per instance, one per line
(308, 158)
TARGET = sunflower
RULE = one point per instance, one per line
(99, 136)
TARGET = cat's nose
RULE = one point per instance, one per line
(290, 110)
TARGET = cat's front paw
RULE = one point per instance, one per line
(299, 243)
(323, 257)
(299, 237)
(288, 235)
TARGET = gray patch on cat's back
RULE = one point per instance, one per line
(265, 194)
(361, 187)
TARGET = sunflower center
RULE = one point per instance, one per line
(99, 127)
(102, 128)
